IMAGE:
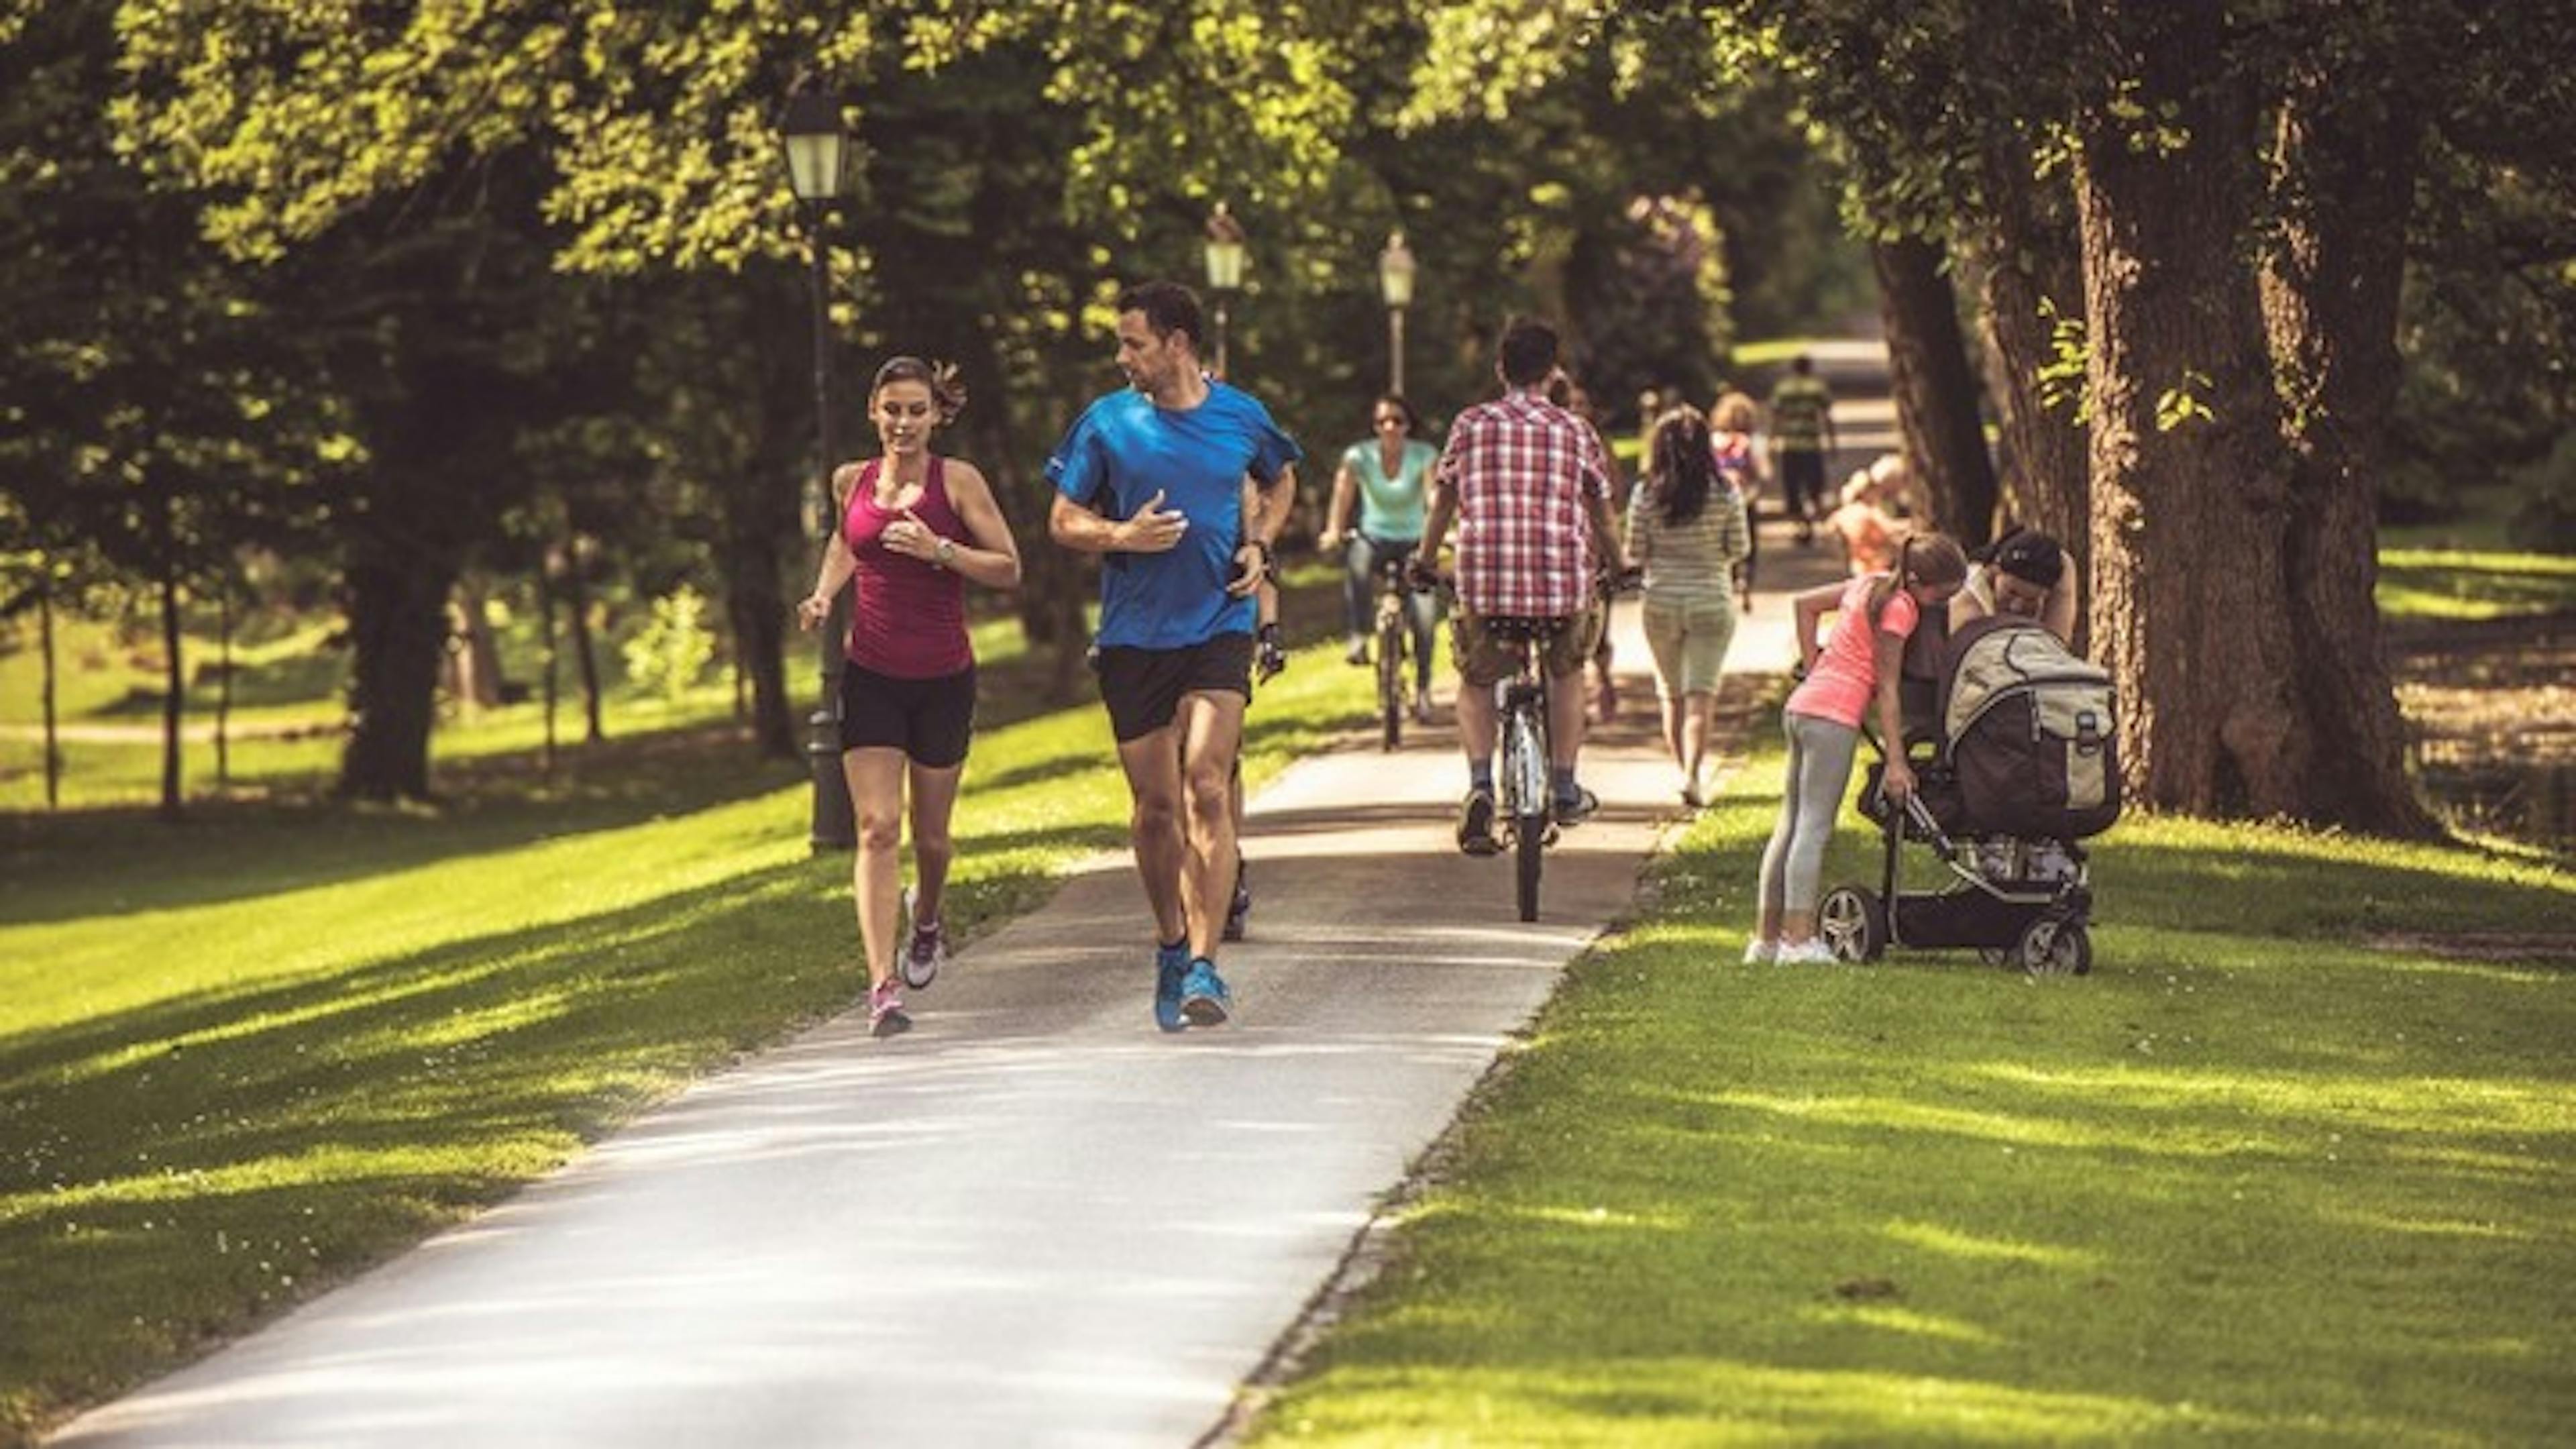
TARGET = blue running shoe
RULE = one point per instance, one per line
(1204, 999)
(1171, 966)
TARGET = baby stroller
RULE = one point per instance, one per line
(2009, 733)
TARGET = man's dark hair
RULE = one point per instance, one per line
(1169, 307)
(2031, 556)
(1529, 351)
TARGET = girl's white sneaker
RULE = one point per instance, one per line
(1759, 952)
(1805, 953)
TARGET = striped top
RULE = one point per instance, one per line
(1689, 563)
(1798, 408)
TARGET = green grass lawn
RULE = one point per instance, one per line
(245, 1058)
(2449, 584)
(2257, 1178)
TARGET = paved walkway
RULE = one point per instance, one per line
(1034, 1220)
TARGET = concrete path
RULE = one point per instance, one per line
(1034, 1220)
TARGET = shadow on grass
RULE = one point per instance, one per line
(103, 862)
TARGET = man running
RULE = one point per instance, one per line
(1152, 478)
(1802, 433)
(1529, 488)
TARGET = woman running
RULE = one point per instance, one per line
(914, 527)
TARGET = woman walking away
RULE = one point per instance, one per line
(1688, 529)
(1385, 475)
(914, 526)
(1858, 663)
(1730, 435)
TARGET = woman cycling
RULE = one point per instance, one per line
(1386, 475)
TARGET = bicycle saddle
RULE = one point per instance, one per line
(1519, 628)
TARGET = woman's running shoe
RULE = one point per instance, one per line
(1805, 953)
(924, 953)
(1758, 952)
(885, 1009)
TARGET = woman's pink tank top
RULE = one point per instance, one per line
(908, 617)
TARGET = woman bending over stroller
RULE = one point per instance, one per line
(1859, 663)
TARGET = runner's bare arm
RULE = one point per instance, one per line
(994, 558)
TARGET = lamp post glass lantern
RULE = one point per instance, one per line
(1225, 239)
(1395, 282)
(816, 150)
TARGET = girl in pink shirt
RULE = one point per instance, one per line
(1857, 664)
(913, 526)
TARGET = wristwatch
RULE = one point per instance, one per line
(946, 554)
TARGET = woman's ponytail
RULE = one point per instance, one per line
(1890, 583)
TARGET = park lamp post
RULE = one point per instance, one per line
(817, 149)
(1395, 282)
(1224, 269)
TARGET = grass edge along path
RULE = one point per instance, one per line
(246, 1061)
(2258, 1176)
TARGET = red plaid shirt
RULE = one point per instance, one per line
(1522, 468)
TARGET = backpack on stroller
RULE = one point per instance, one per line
(2010, 736)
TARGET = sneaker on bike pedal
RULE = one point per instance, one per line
(1476, 824)
(1358, 653)
(885, 1009)
(1576, 808)
(1204, 999)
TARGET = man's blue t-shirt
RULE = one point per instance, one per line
(1118, 454)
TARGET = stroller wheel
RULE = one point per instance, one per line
(1851, 921)
(2048, 948)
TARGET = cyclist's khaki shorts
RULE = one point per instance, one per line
(1483, 659)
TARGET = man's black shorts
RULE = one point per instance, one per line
(1143, 687)
(930, 720)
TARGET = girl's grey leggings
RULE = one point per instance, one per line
(1820, 764)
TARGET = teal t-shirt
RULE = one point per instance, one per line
(1120, 453)
(1391, 507)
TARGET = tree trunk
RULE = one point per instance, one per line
(53, 724)
(577, 615)
(398, 622)
(2032, 272)
(223, 683)
(757, 611)
(2343, 184)
(1935, 387)
(2190, 479)
(174, 696)
(478, 654)
(546, 623)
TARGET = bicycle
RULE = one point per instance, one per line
(1394, 644)
(1525, 805)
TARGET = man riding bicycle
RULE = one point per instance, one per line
(1529, 489)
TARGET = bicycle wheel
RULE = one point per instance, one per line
(1390, 683)
(1525, 766)
(1529, 832)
